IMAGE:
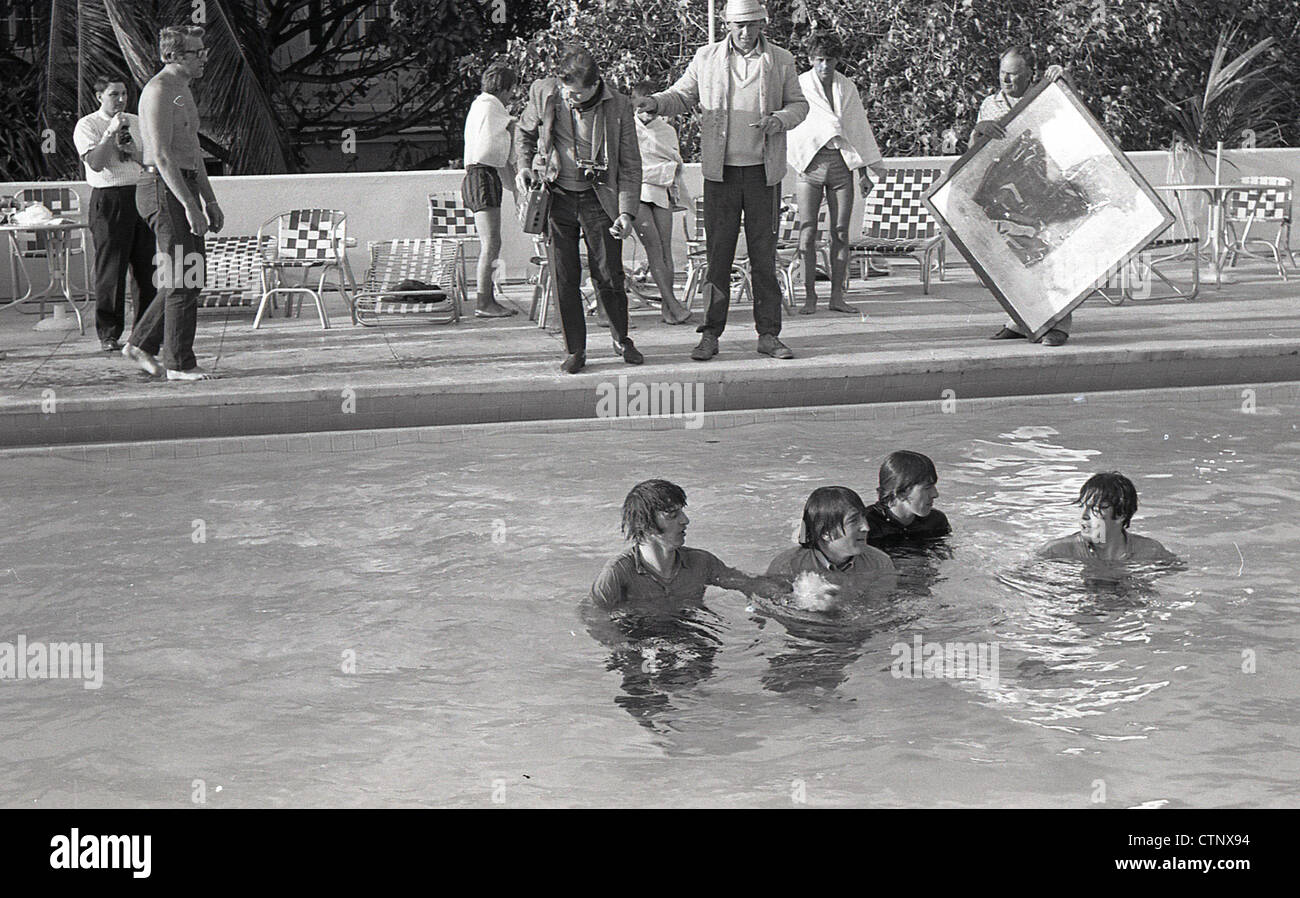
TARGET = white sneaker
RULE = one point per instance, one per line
(192, 374)
(142, 359)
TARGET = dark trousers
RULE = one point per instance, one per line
(742, 190)
(172, 317)
(122, 239)
(580, 212)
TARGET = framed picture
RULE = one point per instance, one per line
(1048, 212)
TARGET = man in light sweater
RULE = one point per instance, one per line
(748, 91)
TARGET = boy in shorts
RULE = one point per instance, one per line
(488, 137)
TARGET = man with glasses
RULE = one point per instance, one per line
(577, 135)
(175, 198)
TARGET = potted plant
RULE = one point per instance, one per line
(1239, 105)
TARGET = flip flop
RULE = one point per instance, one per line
(505, 313)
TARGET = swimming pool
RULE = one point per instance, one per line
(229, 589)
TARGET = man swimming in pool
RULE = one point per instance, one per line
(833, 545)
(904, 511)
(1109, 501)
(660, 570)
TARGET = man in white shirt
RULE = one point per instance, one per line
(488, 139)
(108, 141)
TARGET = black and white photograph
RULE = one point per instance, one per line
(650, 404)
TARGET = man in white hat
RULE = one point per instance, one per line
(748, 92)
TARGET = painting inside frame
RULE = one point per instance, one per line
(1050, 211)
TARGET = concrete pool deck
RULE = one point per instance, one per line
(57, 388)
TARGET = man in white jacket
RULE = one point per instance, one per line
(748, 93)
(825, 149)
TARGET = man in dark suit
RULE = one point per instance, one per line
(578, 135)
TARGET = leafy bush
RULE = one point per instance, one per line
(923, 65)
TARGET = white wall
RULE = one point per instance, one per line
(386, 205)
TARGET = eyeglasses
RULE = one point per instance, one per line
(200, 54)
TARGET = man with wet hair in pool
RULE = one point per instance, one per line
(904, 511)
(1109, 501)
(833, 545)
(659, 569)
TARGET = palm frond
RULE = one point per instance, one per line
(234, 107)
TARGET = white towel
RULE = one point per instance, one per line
(846, 119)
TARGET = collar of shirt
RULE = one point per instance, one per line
(760, 47)
(829, 565)
(673, 569)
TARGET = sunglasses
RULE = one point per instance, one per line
(197, 54)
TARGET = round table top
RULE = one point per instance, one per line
(61, 225)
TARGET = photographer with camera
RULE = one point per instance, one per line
(578, 137)
(108, 141)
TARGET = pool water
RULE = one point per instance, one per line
(403, 626)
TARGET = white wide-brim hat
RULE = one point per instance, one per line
(743, 11)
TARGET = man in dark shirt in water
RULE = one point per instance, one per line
(660, 570)
(1109, 502)
(905, 509)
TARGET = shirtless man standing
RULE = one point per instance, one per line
(176, 199)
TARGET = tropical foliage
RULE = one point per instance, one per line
(286, 73)
(923, 65)
(281, 73)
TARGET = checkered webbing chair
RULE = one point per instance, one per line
(1267, 202)
(428, 260)
(450, 220)
(896, 224)
(697, 259)
(303, 240)
(233, 274)
(1149, 264)
(64, 203)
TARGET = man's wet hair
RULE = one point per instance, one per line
(103, 81)
(171, 39)
(1021, 50)
(497, 78)
(827, 46)
(646, 498)
(643, 88)
(901, 471)
(1112, 490)
(825, 511)
(578, 68)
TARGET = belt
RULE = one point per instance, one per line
(185, 172)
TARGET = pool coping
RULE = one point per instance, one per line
(1240, 398)
(826, 382)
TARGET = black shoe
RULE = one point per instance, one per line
(707, 349)
(630, 353)
(1007, 333)
(1054, 337)
(110, 346)
(574, 363)
(768, 344)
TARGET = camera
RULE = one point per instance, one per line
(594, 171)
